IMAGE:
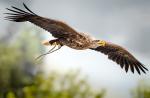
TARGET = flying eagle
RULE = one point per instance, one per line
(67, 36)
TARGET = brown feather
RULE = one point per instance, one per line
(127, 66)
(122, 57)
(140, 66)
(57, 28)
(122, 62)
(132, 68)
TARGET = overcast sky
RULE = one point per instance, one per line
(124, 22)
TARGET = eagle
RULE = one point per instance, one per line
(67, 36)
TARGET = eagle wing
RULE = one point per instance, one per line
(122, 57)
(57, 28)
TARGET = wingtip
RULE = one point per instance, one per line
(23, 3)
(28, 8)
(7, 8)
(12, 6)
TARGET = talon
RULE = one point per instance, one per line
(55, 43)
(102, 43)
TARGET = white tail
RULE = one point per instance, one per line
(46, 42)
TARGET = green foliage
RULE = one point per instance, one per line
(69, 85)
(142, 90)
(12, 76)
(17, 61)
(10, 58)
(10, 95)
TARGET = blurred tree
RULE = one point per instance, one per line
(17, 64)
(11, 74)
(56, 85)
(142, 90)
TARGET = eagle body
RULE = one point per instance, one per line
(67, 36)
(84, 42)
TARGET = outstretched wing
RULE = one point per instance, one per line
(56, 28)
(122, 57)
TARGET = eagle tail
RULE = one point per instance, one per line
(46, 43)
(19, 15)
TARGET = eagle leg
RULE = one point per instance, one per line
(52, 42)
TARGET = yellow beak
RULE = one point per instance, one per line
(102, 43)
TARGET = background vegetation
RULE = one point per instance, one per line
(142, 90)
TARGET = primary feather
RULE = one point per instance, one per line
(122, 57)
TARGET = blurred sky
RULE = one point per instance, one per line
(124, 22)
